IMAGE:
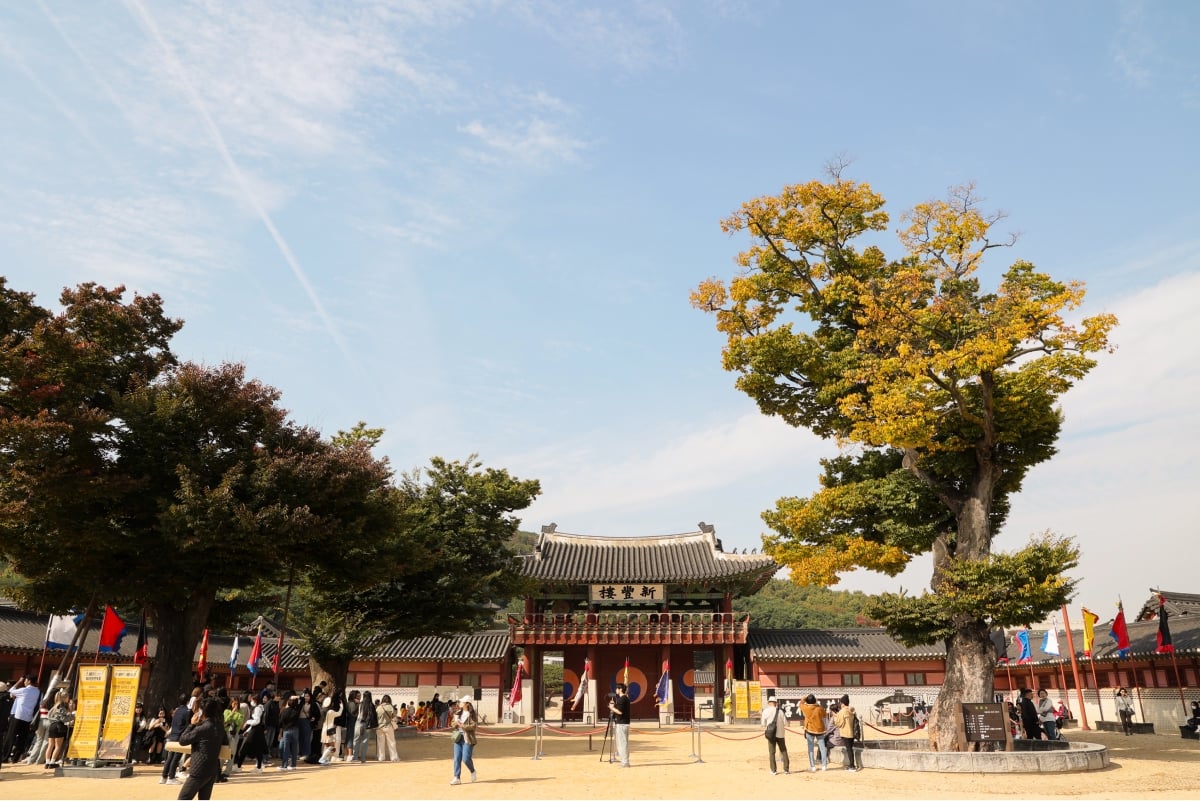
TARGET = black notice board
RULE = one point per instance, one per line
(984, 723)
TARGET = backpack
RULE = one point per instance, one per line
(856, 728)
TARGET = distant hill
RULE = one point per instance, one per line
(784, 605)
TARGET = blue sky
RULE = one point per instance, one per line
(476, 224)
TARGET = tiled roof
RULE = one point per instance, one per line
(481, 646)
(806, 645)
(25, 632)
(1177, 603)
(694, 557)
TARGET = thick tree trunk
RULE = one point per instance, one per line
(331, 671)
(970, 655)
(970, 669)
(179, 632)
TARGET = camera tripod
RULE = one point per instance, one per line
(607, 731)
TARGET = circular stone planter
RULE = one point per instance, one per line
(1030, 757)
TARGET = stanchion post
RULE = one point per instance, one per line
(536, 731)
(699, 732)
(695, 725)
(541, 739)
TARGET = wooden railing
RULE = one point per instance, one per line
(648, 628)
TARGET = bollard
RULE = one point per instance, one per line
(537, 730)
(699, 733)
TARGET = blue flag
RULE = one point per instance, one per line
(661, 697)
(1022, 639)
(233, 655)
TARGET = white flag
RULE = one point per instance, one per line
(60, 631)
(233, 655)
(1050, 643)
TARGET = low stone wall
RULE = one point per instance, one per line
(1030, 757)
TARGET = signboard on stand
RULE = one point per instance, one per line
(984, 723)
(89, 711)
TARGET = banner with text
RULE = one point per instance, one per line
(118, 721)
(89, 710)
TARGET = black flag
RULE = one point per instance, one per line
(1164, 630)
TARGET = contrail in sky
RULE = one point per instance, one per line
(244, 185)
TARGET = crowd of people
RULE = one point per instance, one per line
(824, 728)
(1040, 718)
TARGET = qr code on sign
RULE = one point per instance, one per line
(120, 706)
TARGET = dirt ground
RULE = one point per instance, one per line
(732, 764)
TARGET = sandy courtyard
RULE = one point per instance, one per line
(734, 766)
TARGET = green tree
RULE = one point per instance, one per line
(445, 566)
(783, 604)
(946, 394)
(136, 481)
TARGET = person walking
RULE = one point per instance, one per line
(254, 737)
(205, 734)
(385, 733)
(233, 721)
(774, 725)
(848, 726)
(618, 707)
(814, 731)
(330, 731)
(1125, 710)
(464, 723)
(179, 722)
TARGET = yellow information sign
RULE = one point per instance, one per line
(118, 721)
(755, 692)
(89, 710)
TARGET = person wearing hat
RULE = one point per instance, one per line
(774, 725)
(464, 723)
(1029, 716)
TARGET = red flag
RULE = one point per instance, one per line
(514, 697)
(1120, 632)
(140, 655)
(625, 680)
(111, 631)
(202, 664)
(255, 653)
(1164, 631)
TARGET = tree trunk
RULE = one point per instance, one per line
(179, 632)
(970, 669)
(331, 671)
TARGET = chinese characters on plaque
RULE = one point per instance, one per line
(627, 593)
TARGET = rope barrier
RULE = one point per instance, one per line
(734, 739)
(892, 733)
(482, 733)
(660, 731)
(566, 733)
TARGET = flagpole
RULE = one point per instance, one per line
(45, 648)
(77, 643)
(1083, 721)
(287, 602)
(1162, 610)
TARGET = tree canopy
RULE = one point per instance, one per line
(942, 395)
(183, 489)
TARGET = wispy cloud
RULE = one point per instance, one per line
(580, 481)
(532, 143)
(633, 38)
(1132, 47)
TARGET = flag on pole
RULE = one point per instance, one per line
(1120, 632)
(1022, 640)
(255, 653)
(1164, 630)
(140, 655)
(60, 631)
(233, 654)
(1050, 641)
(514, 696)
(202, 662)
(1090, 619)
(111, 631)
(729, 677)
(661, 697)
(583, 680)
(625, 680)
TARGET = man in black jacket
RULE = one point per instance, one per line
(206, 735)
(1029, 716)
